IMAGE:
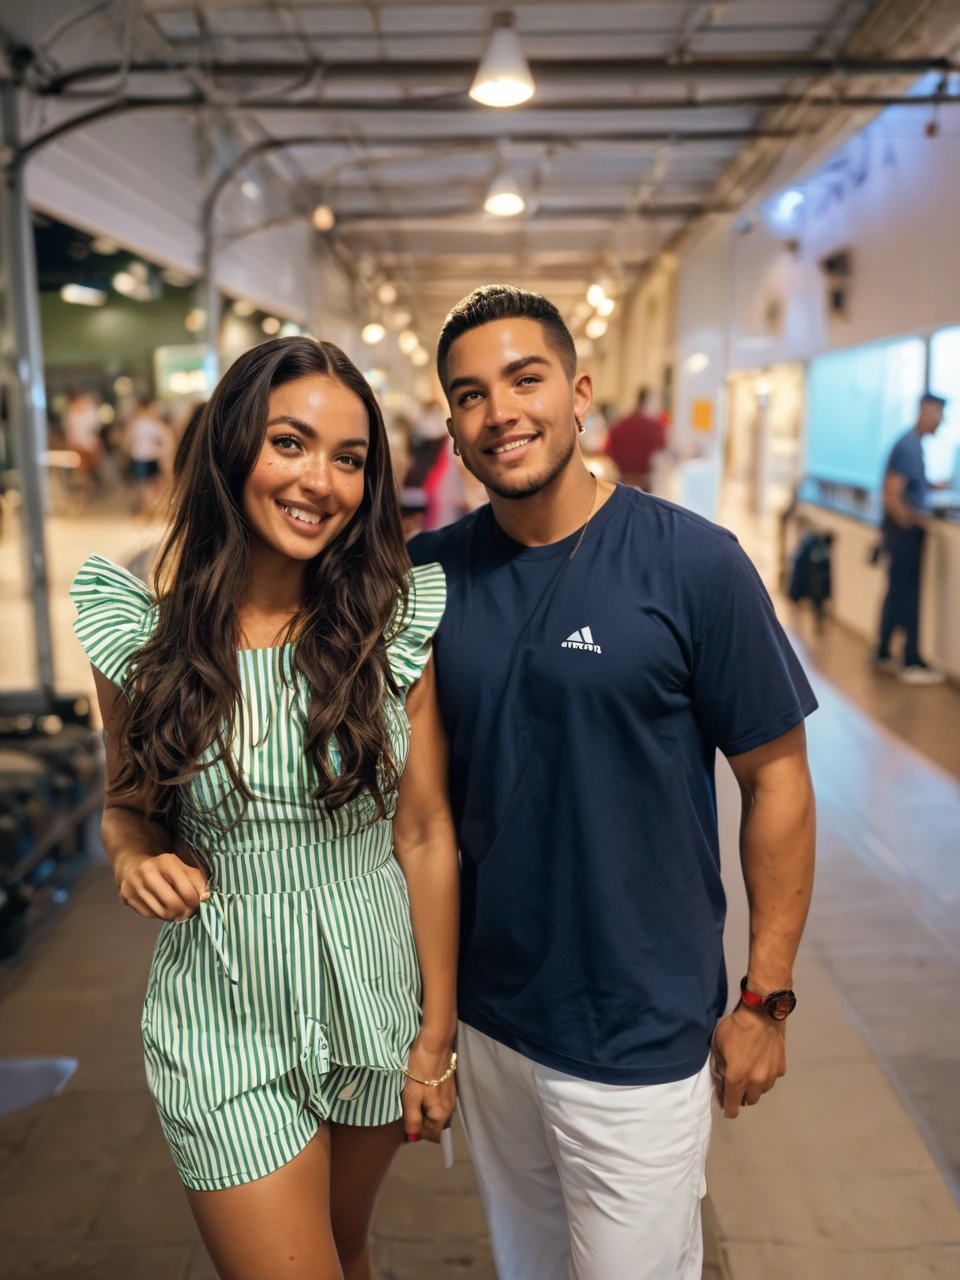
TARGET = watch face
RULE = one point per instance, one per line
(780, 1004)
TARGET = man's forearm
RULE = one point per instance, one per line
(777, 849)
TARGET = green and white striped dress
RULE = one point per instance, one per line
(292, 997)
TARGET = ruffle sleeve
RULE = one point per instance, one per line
(116, 615)
(409, 651)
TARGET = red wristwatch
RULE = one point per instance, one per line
(777, 1005)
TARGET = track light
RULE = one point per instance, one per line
(372, 333)
(504, 199)
(85, 295)
(503, 77)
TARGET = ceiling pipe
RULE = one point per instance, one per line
(546, 72)
(459, 104)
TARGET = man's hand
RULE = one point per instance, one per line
(748, 1058)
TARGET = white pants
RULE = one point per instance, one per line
(583, 1180)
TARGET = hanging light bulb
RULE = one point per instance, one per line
(596, 327)
(372, 333)
(323, 218)
(408, 341)
(503, 77)
(504, 197)
(420, 357)
(387, 293)
(606, 307)
(596, 294)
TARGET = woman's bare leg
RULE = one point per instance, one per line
(276, 1228)
(359, 1160)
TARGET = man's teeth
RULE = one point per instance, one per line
(514, 444)
(306, 516)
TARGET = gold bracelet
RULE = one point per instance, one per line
(435, 1084)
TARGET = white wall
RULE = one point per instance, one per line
(891, 196)
(137, 180)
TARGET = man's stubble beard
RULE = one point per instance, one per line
(527, 488)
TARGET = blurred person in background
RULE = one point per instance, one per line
(82, 429)
(599, 646)
(398, 435)
(905, 521)
(634, 440)
(287, 621)
(149, 444)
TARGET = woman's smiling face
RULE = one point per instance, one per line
(308, 482)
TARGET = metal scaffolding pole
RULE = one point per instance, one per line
(22, 351)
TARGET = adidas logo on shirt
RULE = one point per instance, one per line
(582, 639)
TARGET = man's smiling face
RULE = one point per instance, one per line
(513, 405)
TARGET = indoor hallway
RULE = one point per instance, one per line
(844, 1171)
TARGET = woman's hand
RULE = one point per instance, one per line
(427, 1111)
(160, 886)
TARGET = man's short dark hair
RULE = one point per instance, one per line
(505, 302)
(929, 398)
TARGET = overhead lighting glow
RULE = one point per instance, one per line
(130, 286)
(397, 319)
(104, 246)
(195, 320)
(504, 198)
(270, 325)
(606, 307)
(243, 309)
(250, 189)
(176, 279)
(697, 362)
(420, 357)
(107, 414)
(290, 330)
(372, 333)
(583, 348)
(323, 218)
(596, 295)
(595, 327)
(503, 77)
(123, 385)
(408, 341)
(83, 295)
(387, 293)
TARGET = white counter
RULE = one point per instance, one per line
(859, 587)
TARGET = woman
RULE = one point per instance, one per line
(277, 794)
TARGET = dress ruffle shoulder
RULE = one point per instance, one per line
(116, 615)
(409, 650)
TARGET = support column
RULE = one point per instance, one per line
(22, 352)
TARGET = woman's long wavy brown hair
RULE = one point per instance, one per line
(179, 714)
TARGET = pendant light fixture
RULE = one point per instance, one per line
(503, 77)
(504, 199)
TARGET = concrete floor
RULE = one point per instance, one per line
(844, 1171)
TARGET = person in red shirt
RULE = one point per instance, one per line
(634, 440)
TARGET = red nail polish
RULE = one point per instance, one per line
(413, 1137)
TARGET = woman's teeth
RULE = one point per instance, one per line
(306, 517)
(514, 444)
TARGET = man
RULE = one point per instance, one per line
(634, 440)
(597, 647)
(905, 492)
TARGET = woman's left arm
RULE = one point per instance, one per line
(425, 843)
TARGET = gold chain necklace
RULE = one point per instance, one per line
(593, 503)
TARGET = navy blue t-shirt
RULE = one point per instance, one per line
(585, 701)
